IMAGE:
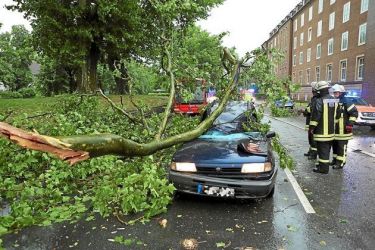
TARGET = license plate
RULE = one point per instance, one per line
(216, 191)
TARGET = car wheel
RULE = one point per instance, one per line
(270, 195)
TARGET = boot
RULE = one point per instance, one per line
(312, 155)
(307, 154)
(333, 162)
(322, 169)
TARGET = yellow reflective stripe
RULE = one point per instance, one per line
(343, 138)
(323, 139)
(323, 161)
(313, 123)
(352, 118)
(325, 119)
(323, 136)
(351, 107)
(341, 125)
(313, 149)
(308, 109)
(341, 158)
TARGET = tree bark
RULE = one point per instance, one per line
(88, 80)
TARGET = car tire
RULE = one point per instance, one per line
(270, 195)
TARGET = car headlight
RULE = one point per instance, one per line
(256, 167)
(183, 166)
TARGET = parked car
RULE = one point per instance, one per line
(226, 161)
(366, 112)
(288, 103)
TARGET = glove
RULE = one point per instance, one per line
(349, 128)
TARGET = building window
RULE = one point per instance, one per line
(343, 66)
(318, 50)
(295, 42)
(310, 13)
(346, 12)
(344, 40)
(301, 39)
(294, 59)
(300, 76)
(308, 56)
(302, 19)
(364, 6)
(360, 68)
(294, 77)
(301, 57)
(308, 76)
(330, 46)
(320, 6)
(309, 34)
(319, 29)
(362, 34)
(329, 72)
(332, 2)
(331, 25)
(295, 25)
(317, 73)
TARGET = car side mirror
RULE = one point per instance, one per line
(271, 134)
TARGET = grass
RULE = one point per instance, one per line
(45, 104)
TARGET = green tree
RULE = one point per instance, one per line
(84, 30)
(16, 55)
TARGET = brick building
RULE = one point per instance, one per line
(328, 40)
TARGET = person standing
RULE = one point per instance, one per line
(322, 125)
(346, 115)
(312, 153)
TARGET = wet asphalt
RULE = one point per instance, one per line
(344, 201)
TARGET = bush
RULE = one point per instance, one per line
(10, 95)
(27, 92)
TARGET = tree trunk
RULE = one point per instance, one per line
(122, 86)
(88, 82)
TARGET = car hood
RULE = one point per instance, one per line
(361, 108)
(207, 152)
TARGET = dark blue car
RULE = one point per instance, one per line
(226, 161)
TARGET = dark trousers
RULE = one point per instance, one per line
(324, 150)
(340, 148)
(312, 144)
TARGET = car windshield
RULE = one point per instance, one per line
(232, 118)
(216, 135)
(356, 101)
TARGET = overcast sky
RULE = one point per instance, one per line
(248, 21)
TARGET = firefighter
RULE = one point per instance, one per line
(322, 125)
(312, 153)
(346, 115)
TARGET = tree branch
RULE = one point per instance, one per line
(129, 116)
(172, 91)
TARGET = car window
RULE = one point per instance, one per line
(222, 136)
(355, 101)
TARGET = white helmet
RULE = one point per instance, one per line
(338, 88)
(322, 85)
(313, 85)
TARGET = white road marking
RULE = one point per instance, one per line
(301, 196)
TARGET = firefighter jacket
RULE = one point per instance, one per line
(307, 112)
(323, 114)
(346, 115)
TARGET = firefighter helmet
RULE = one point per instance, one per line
(313, 85)
(322, 85)
(338, 88)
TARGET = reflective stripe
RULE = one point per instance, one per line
(313, 123)
(323, 139)
(314, 149)
(340, 158)
(341, 125)
(308, 109)
(323, 136)
(325, 119)
(352, 118)
(351, 107)
(323, 161)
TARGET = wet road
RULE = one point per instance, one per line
(344, 202)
